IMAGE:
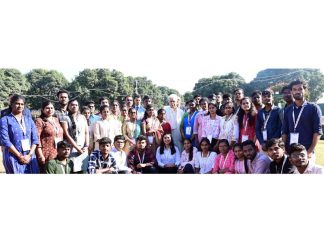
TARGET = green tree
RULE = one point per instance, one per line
(224, 83)
(44, 86)
(11, 81)
(277, 78)
(91, 84)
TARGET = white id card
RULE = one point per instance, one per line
(56, 140)
(264, 135)
(25, 144)
(245, 137)
(210, 137)
(294, 138)
(188, 130)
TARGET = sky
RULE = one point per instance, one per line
(172, 43)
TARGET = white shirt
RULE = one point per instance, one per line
(229, 129)
(121, 159)
(184, 160)
(205, 164)
(311, 169)
(167, 157)
(173, 117)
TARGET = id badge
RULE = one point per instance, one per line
(265, 136)
(210, 137)
(245, 137)
(294, 138)
(25, 144)
(56, 140)
(188, 130)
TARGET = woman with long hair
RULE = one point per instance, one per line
(151, 128)
(224, 162)
(76, 132)
(240, 164)
(168, 156)
(187, 160)
(19, 138)
(131, 130)
(247, 120)
(211, 125)
(229, 125)
(50, 133)
(204, 159)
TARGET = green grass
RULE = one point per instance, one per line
(319, 151)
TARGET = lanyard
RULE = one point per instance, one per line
(22, 124)
(189, 118)
(141, 161)
(55, 127)
(298, 117)
(266, 119)
(225, 161)
(283, 164)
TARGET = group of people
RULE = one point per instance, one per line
(218, 134)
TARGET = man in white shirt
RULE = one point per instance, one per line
(174, 116)
(258, 163)
(119, 155)
(298, 157)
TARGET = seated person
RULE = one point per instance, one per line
(101, 161)
(120, 155)
(280, 163)
(258, 163)
(298, 157)
(141, 159)
(61, 164)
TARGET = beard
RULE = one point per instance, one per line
(298, 97)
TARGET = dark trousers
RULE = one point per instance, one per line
(149, 170)
(188, 169)
(169, 170)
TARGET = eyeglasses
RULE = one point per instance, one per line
(298, 155)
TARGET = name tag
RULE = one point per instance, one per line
(294, 138)
(264, 135)
(210, 137)
(188, 130)
(25, 144)
(245, 137)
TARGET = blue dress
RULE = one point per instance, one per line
(11, 134)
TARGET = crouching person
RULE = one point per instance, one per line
(299, 158)
(101, 161)
(61, 164)
(142, 159)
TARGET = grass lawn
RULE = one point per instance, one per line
(319, 151)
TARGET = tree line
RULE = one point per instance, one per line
(91, 84)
